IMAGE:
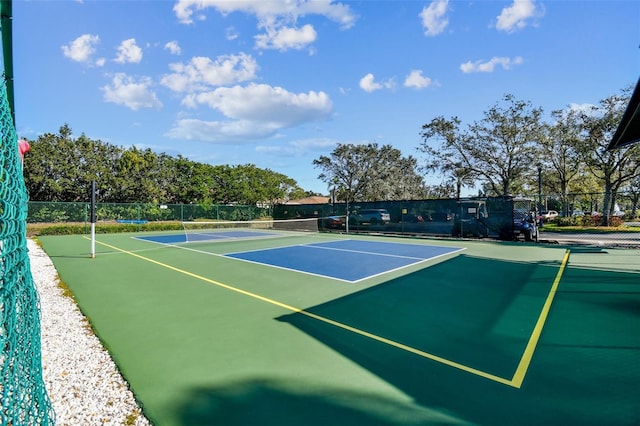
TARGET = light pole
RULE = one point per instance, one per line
(540, 190)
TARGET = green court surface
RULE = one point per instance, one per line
(493, 334)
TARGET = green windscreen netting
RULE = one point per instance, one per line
(23, 396)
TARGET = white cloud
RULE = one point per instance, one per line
(286, 38)
(267, 104)
(173, 47)
(434, 19)
(201, 72)
(125, 90)
(337, 12)
(514, 17)
(231, 33)
(368, 84)
(220, 131)
(582, 108)
(489, 66)
(278, 19)
(574, 109)
(255, 111)
(417, 80)
(298, 148)
(129, 52)
(82, 49)
(267, 12)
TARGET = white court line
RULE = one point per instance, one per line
(310, 245)
(375, 253)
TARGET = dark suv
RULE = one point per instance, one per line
(370, 216)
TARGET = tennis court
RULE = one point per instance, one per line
(341, 329)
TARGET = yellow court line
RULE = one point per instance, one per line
(520, 372)
(523, 366)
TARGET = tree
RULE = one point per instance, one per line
(61, 168)
(613, 168)
(633, 195)
(45, 170)
(138, 175)
(393, 177)
(559, 153)
(498, 151)
(267, 186)
(191, 182)
(370, 173)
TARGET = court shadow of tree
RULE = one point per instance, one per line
(273, 402)
(471, 311)
(465, 302)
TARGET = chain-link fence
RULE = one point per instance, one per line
(480, 217)
(570, 219)
(58, 212)
(504, 218)
(589, 209)
(23, 395)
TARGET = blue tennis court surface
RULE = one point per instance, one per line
(206, 236)
(346, 260)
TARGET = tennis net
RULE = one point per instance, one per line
(248, 229)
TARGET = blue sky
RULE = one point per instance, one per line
(279, 83)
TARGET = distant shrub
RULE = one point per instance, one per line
(591, 220)
(615, 221)
(101, 228)
(566, 221)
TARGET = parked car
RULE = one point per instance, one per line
(549, 215)
(370, 216)
(412, 218)
(331, 222)
(577, 213)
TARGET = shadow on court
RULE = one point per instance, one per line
(481, 318)
(480, 313)
(269, 402)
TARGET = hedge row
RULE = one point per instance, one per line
(101, 228)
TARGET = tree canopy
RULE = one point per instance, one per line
(501, 154)
(61, 168)
(499, 151)
(370, 173)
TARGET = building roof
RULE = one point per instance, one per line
(309, 200)
(628, 131)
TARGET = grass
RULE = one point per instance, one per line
(554, 227)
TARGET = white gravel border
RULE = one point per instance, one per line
(83, 382)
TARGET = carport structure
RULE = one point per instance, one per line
(628, 131)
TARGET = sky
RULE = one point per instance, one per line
(280, 83)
